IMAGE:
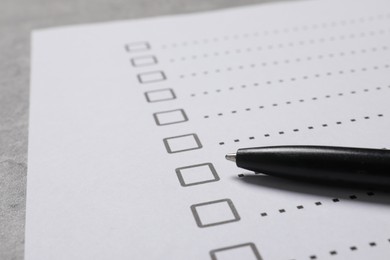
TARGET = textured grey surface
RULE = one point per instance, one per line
(17, 20)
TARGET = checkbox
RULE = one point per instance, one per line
(247, 251)
(196, 174)
(170, 117)
(143, 61)
(137, 47)
(151, 77)
(160, 95)
(182, 143)
(214, 213)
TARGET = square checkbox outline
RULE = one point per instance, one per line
(181, 179)
(135, 64)
(155, 116)
(145, 44)
(139, 77)
(199, 221)
(251, 245)
(158, 90)
(166, 144)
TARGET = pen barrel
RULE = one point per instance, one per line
(370, 167)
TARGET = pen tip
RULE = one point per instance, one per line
(231, 157)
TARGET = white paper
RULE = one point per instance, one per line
(124, 115)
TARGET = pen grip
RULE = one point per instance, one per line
(321, 163)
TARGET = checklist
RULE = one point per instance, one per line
(215, 213)
(170, 117)
(160, 95)
(143, 61)
(244, 251)
(182, 143)
(151, 77)
(197, 174)
(130, 122)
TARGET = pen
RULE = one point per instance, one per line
(369, 167)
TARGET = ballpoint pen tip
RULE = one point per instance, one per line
(231, 157)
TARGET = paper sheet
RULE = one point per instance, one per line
(130, 122)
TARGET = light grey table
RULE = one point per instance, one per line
(17, 20)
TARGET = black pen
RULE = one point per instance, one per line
(370, 167)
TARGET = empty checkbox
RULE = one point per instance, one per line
(170, 117)
(247, 251)
(182, 143)
(137, 47)
(160, 95)
(214, 213)
(151, 77)
(144, 61)
(196, 174)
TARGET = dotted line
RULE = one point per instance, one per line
(256, 84)
(294, 29)
(310, 127)
(259, 49)
(351, 248)
(329, 74)
(317, 203)
(298, 101)
(314, 76)
(275, 63)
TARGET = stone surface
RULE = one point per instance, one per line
(17, 20)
